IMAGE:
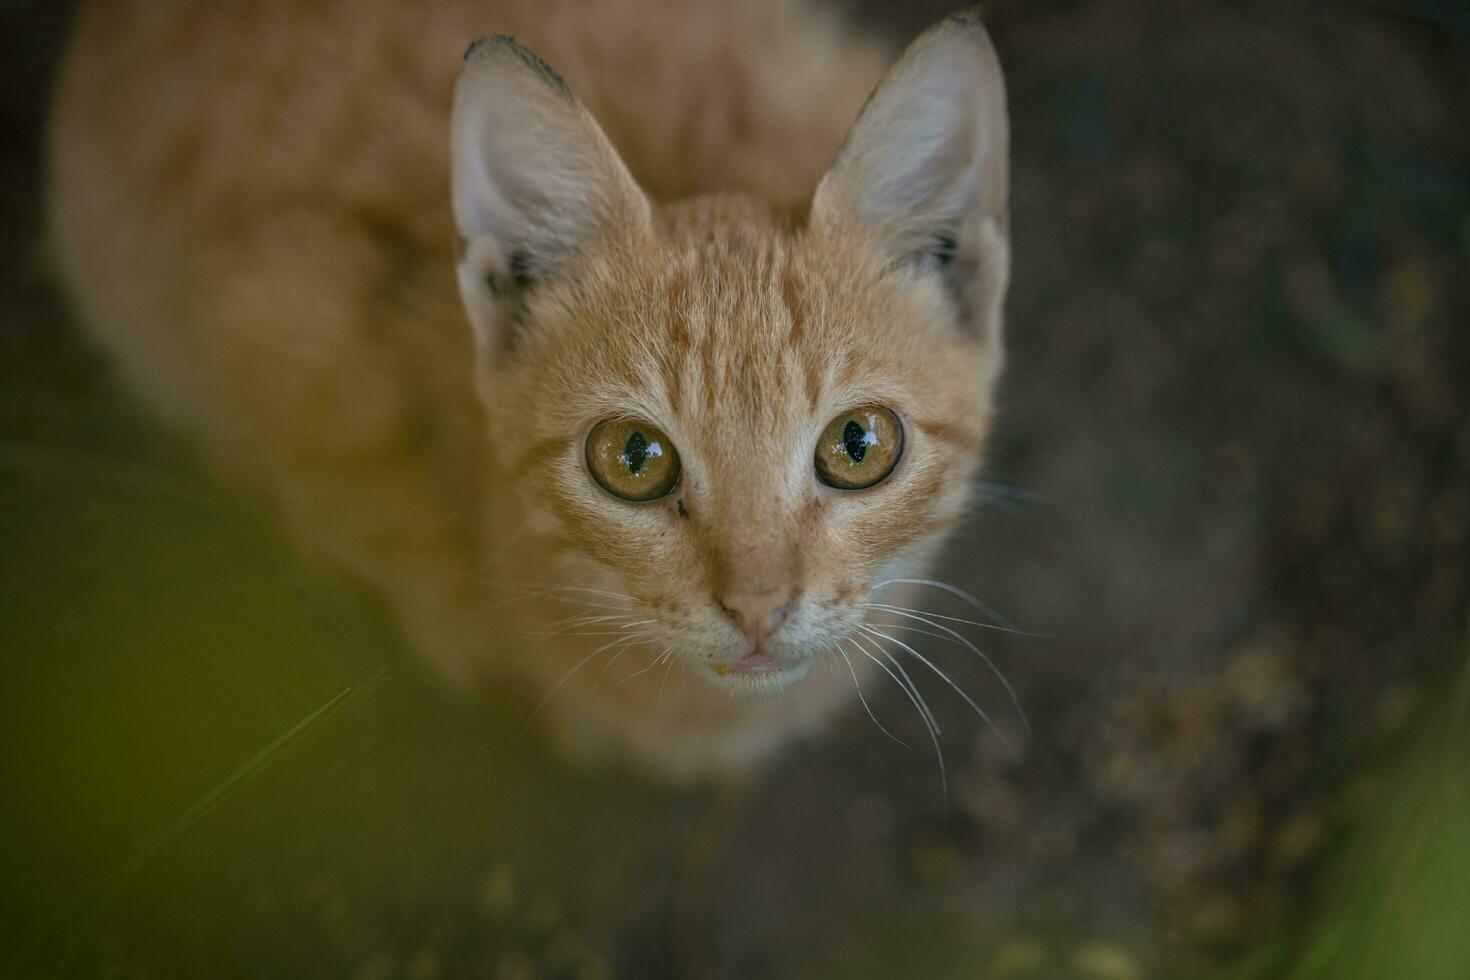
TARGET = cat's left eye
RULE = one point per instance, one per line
(859, 448)
(632, 460)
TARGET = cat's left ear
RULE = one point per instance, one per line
(535, 183)
(925, 170)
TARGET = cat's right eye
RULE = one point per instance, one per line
(632, 460)
(859, 448)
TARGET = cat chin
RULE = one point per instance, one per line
(758, 684)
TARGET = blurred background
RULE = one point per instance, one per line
(1231, 492)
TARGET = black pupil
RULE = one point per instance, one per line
(855, 441)
(635, 452)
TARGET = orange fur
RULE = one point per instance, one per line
(250, 205)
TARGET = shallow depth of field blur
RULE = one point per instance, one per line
(1231, 495)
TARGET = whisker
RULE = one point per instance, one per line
(551, 596)
(602, 675)
(557, 593)
(864, 701)
(1004, 505)
(103, 889)
(916, 629)
(929, 714)
(568, 676)
(548, 587)
(574, 620)
(577, 632)
(585, 603)
(1004, 490)
(667, 652)
(916, 700)
(588, 619)
(951, 682)
(954, 619)
(985, 608)
(1010, 691)
(572, 624)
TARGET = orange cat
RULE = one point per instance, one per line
(720, 379)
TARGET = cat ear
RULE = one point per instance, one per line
(925, 169)
(535, 182)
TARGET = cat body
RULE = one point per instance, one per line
(276, 215)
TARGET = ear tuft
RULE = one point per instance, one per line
(535, 182)
(925, 170)
(490, 44)
(970, 18)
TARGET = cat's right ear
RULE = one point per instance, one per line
(535, 183)
(925, 171)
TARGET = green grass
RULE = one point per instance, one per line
(1399, 904)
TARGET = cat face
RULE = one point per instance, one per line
(774, 373)
(737, 422)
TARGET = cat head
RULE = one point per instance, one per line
(737, 421)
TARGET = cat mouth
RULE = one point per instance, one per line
(760, 671)
(756, 663)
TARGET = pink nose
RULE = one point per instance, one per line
(757, 614)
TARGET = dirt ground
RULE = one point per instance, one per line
(1231, 496)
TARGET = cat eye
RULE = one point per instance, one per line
(859, 448)
(632, 460)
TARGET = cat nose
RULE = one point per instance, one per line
(757, 614)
